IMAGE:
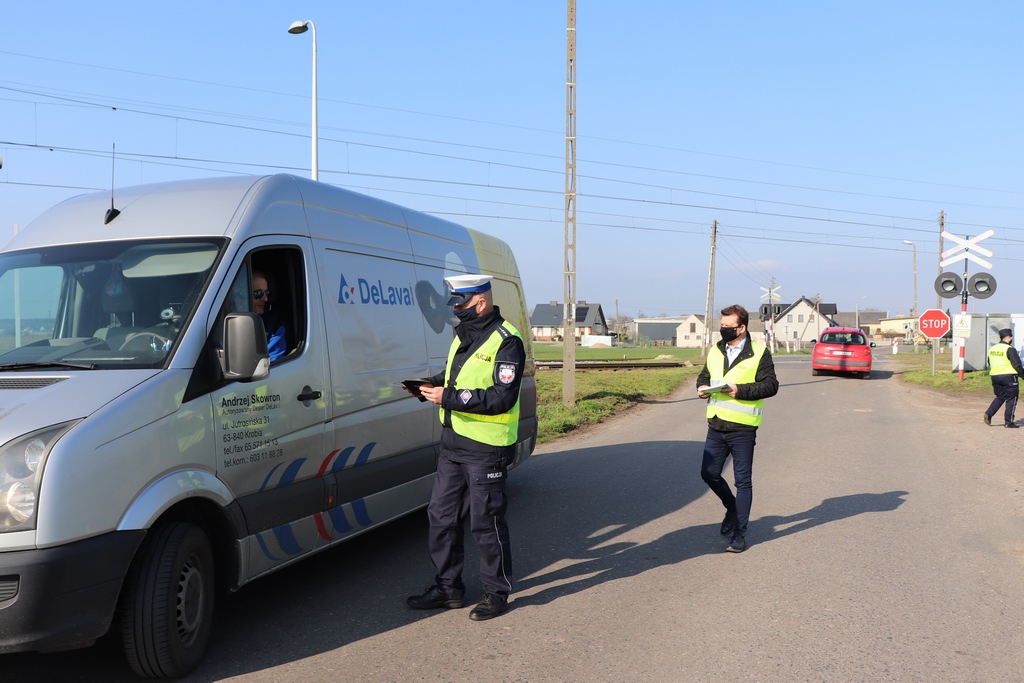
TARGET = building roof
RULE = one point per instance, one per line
(551, 315)
(827, 310)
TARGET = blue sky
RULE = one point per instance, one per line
(818, 135)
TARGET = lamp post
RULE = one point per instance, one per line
(301, 27)
(914, 312)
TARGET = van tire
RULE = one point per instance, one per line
(167, 602)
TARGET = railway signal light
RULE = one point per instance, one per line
(981, 285)
(949, 285)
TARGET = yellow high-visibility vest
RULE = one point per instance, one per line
(998, 363)
(478, 373)
(744, 372)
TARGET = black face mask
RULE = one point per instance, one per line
(467, 314)
(729, 333)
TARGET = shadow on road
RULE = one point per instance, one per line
(774, 527)
(595, 564)
(567, 509)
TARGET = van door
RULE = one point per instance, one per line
(271, 432)
(381, 441)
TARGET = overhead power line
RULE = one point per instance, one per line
(491, 186)
(660, 171)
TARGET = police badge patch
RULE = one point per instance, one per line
(465, 395)
(506, 373)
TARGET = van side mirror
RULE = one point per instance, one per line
(243, 356)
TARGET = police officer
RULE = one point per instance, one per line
(1004, 367)
(478, 395)
(738, 375)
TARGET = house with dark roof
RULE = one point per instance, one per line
(546, 321)
(803, 321)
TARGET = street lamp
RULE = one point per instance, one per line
(913, 313)
(300, 27)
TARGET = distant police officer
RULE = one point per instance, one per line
(1004, 367)
(738, 375)
(479, 398)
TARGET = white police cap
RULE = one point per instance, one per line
(463, 287)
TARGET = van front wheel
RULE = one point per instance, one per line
(167, 602)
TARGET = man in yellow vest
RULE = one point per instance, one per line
(737, 377)
(1004, 366)
(478, 395)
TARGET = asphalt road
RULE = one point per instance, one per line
(886, 544)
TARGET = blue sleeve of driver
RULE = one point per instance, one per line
(276, 343)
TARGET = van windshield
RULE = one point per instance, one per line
(100, 305)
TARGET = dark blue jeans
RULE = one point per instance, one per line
(717, 448)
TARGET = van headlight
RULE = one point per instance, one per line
(21, 472)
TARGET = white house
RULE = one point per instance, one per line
(802, 322)
(689, 332)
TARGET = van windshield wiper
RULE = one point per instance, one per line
(48, 364)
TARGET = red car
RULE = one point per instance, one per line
(842, 349)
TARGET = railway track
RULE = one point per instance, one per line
(610, 364)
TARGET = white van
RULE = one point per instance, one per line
(151, 454)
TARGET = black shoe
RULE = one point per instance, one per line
(988, 419)
(490, 606)
(728, 524)
(737, 545)
(432, 599)
(1012, 425)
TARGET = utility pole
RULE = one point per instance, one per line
(17, 302)
(569, 323)
(709, 305)
(915, 313)
(942, 228)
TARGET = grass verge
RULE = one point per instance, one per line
(917, 369)
(603, 393)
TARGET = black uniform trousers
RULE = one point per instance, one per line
(477, 491)
(1006, 391)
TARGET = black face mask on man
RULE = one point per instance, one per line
(467, 314)
(729, 333)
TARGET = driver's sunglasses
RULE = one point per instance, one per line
(260, 293)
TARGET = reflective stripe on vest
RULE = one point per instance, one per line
(744, 372)
(998, 363)
(478, 373)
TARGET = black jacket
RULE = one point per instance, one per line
(499, 398)
(765, 384)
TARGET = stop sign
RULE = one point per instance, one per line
(933, 323)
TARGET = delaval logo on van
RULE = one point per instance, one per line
(376, 293)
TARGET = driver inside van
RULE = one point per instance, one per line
(277, 343)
